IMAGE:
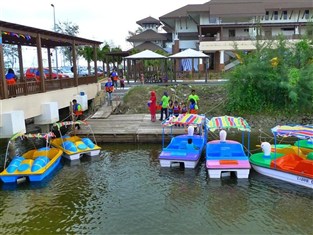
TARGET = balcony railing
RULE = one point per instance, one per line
(33, 87)
(248, 38)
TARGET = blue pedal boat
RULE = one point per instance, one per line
(184, 149)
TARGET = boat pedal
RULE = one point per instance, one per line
(21, 180)
(225, 174)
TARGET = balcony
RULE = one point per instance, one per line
(22, 88)
(211, 44)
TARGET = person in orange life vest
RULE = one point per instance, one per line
(109, 88)
(114, 77)
(193, 107)
(10, 77)
(77, 110)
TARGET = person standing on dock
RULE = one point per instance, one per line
(164, 103)
(152, 106)
(109, 88)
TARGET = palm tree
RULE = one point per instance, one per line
(102, 55)
(139, 30)
(87, 53)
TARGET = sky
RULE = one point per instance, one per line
(99, 20)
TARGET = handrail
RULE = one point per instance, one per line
(21, 88)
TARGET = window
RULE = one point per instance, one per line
(287, 29)
(306, 14)
(285, 15)
(267, 15)
(246, 30)
(232, 33)
(275, 15)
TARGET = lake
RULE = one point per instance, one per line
(125, 191)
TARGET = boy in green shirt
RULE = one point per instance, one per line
(194, 97)
(164, 100)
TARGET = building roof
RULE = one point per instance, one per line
(147, 46)
(189, 53)
(180, 12)
(148, 20)
(288, 4)
(147, 35)
(26, 36)
(234, 8)
(146, 54)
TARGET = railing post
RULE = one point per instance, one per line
(2, 72)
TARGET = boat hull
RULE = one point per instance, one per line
(177, 152)
(226, 156)
(26, 168)
(74, 147)
(284, 176)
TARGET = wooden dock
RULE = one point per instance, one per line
(131, 128)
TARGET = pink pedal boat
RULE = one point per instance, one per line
(226, 156)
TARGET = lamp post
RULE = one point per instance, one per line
(56, 51)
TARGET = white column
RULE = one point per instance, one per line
(221, 57)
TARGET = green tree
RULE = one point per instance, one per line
(87, 53)
(102, 55)
(10, 54)
(276, 76)
(71, 29)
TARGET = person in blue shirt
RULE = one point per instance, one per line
(10, 77)
(109, 88)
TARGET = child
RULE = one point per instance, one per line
(122, 82)
(109, 88)
(176, 110)
(183, 108)
(142, 78)
(193, 107)
(170, 108)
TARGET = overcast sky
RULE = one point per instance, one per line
(100, 20)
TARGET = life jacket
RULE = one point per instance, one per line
(11, 81)
(109, 87)
(193, 108)
(10, 77)
(176, 109)
(77, 108)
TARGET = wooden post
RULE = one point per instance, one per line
(40, 64)
(2, 71)
(95, 61)
(74, 63)
(20, 61)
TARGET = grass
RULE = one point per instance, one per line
(212, 97)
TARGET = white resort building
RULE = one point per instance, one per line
(217, 26)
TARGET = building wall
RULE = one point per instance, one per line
(31, 104)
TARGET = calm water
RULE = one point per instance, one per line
(126, 192)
